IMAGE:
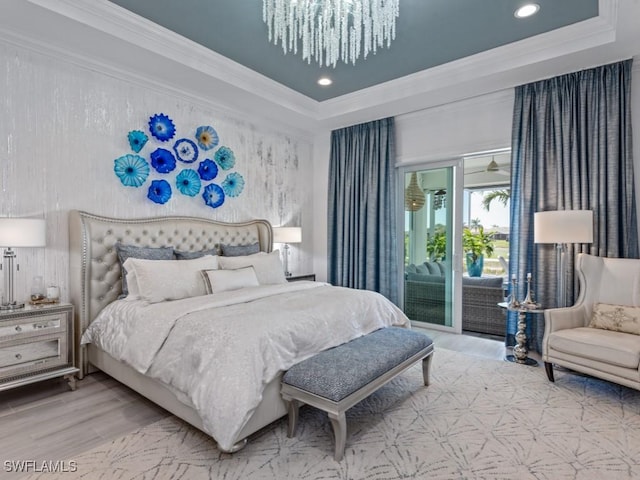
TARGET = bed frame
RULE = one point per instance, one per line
(95, 281)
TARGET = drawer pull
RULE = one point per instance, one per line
(18, 328)
(18, 356)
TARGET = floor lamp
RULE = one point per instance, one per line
(562, 227)
(287, 235)
(17, 232)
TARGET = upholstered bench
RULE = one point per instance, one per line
(336, 379)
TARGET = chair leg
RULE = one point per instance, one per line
(548, 367)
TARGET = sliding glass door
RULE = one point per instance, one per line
(430, 270)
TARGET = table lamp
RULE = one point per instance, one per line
(562, 227)
(17, 233)
(287, 235)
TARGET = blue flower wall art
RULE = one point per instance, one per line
(162, 160)
(159, 191)
(132, 170)
(137, 140)
(135, 170)
(225, 158)
(207, 137)
(186, 150)
(233, 185)
(188, 182)
(213, 195)
(162, 127)
(208, 170)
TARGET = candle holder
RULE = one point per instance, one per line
(529, 301)
(513, 296)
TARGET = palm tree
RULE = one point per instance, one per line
(502, 196)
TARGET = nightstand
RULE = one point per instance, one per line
(36, 343)
(295, 278)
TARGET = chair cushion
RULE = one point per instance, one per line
(605, 346)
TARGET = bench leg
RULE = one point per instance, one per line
(339, 423)
(426, 368)
(293, 407)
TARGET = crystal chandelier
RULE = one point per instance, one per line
(331, 29)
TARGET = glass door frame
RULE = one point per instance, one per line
(457, 217)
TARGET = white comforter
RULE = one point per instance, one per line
(221, 350)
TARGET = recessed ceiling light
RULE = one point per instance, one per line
(324, 81)
(527, 10)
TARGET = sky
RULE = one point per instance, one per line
(497, 215)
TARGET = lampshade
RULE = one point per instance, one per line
(22, 232)
(563, 226)
(287, 235)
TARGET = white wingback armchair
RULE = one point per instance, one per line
(570, 342)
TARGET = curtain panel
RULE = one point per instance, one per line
(362, 214)
(571, 150)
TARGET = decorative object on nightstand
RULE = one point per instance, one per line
(17, 232)
(295, 278)
(36, 343)
(562, 227)
(286, 235)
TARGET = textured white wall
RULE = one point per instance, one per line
(62, 126)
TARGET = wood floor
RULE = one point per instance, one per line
(47, 421)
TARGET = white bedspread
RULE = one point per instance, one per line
(221, 350)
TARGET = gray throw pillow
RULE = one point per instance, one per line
(192, 255)
(432, 268)
(239, 250)
(422, 269)
(147, 253)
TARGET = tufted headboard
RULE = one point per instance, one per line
(94, 270)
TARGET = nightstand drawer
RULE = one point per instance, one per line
(30, 352)
(25, 328)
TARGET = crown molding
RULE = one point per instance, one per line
(122, 38)
(436, 82)
(271, 100)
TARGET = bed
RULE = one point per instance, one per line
(96, 284)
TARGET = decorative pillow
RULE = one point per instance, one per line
(131, 251)
(268, 266)
(422, 268)
(432, 268)
(191, 255)
(160, 280)
(410, 269)
(239, 250)
(132, 285)
(218, 281)
(619, 318)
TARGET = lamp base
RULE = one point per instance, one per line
(11, 306)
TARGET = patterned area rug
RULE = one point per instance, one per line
(478, 419)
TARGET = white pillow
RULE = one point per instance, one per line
(268, 266)
(224, 280)
(160, 280)
(133, 293)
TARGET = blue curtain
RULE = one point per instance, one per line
(571, 150)
(362, 218)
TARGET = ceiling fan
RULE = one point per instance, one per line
(492, 167)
